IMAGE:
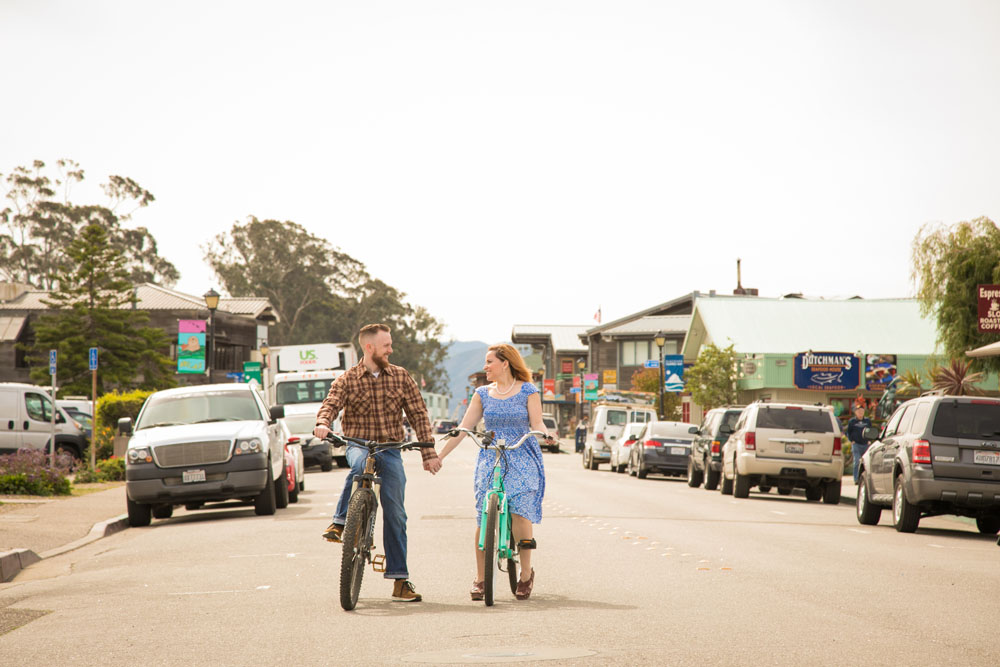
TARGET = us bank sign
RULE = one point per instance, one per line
(827, 371)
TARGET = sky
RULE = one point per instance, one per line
(528, 162)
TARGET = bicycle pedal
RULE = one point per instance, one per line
(378, 562)
(527, 544)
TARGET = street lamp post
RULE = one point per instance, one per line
(212, 301)
(264, 351)
(581, 363)
(660, 339)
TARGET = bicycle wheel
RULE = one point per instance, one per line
(512, 564)
(357, 541)
(490, 549)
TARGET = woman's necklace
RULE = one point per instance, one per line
(505, 391)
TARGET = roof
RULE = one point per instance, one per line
(563, 337)
(673, 303)
(650, 326)
(787, 326)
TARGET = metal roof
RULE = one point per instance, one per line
(564, 337)
(788, 326)
(649, 326)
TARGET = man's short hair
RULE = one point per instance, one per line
(368, 332)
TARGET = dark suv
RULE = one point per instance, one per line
(935, 455)
(705, 461)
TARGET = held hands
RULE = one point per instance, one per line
(432, 465)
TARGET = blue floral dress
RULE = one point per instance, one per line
(524, 475)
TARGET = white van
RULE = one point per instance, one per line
(606, 427)
(26, 422)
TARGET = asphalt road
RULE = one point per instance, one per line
(628, 572)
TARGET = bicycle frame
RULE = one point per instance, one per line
(503, 515)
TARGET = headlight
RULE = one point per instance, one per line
(251, 446)
(138, 455)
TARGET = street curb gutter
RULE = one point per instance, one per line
(12, 562)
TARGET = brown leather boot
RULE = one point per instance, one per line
(403, 591)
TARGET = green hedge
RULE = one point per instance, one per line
(110, 408)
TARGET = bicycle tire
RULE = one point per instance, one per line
(490, 549)
(512, 564)
(357, 541)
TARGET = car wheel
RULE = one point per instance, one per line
(192, 506)
(641, 471)
(281, 489)
(741, 484)
(264, 502)
(584, 462)
(164, 511)
(594, 463)
(694, 476)
(725, 485)
(868, 513)
(988, 525)
(630, 467)
(831, 492)
(139, 514)
(711, 478)
(905, 515)
(293, 496)
(814, 492)
(326, 467)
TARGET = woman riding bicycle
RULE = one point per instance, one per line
(510, 406)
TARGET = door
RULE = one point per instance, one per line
(883, 457)
(36, 420)
(10, 415)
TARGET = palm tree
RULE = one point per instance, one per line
(911, 382)
(956, 379)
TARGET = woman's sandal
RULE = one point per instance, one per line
(524, 587)
(478, 590)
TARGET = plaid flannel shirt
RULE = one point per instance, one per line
(373, 406)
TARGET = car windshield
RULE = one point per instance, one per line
(617, 417)
(198, 407)
(956, 419)
(303, 391)
(795, 419)
(300, 423)
(81, 417)
(670, 430)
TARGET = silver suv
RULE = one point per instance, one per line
(786, 445)
(935, 455)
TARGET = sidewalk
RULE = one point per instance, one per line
(35, 528)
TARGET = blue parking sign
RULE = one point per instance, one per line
(93, 358)
(52, 362)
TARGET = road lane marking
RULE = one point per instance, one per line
(858, 530)
(286, 555)
(777, 512)
(241, 590)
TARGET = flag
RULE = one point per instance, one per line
(597, 315)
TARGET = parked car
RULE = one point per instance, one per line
(443, 425)
(935, 455)
(552, 442)
(621, 447)
(295, 468)
(81, 411)
(26, 413)
(662, 447)
(192, 445)
(785, 445)
(705, 463)
(606, 426)
(315, 452)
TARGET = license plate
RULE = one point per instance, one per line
(193, 476)
(989, 458)
(791, 448)
(678, 451)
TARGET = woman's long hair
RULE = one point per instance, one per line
(510, 354)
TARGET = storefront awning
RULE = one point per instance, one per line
(10, 328)
(991, 350)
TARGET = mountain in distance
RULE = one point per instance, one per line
(464, 358)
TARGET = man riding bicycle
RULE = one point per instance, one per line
(373, 396)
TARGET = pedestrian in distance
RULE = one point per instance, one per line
(581, 434)
(856, 434)
(510, 406)
(373, 396)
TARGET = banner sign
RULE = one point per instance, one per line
(576, 381)
(567, 365)
(549, 390)
(191, 346)
(989, 307)
(590, 386)
(880, 370)
(827, 371)
(611, 376)
(673, 373)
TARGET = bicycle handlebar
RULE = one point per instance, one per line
(488, 437)
(373, 446)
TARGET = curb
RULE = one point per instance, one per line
(12, 562)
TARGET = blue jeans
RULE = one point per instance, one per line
(389, 465)
(858, 449)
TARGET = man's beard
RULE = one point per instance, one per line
(381, 362)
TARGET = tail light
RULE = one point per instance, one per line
(652, 443)
(628, 443)
(836, 446)
(600, 437)
(294, 439)
(716, 446)
(750, 441)
(921, 451)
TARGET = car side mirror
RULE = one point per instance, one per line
(694, 430)
(125, 426)
(277, 412)
(871, 433)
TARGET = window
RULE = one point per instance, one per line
(636, 352)
(892, 426)
(810, 421)
(904, 423)
(303, 391)
(956, 419)
(39, 407)
(617, 417)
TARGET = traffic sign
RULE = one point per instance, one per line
(652, 363)
(93, 358)
(52, 362)
(574, 390)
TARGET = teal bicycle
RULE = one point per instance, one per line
(496, 540)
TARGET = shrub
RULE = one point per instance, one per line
(110, 408)
(111, 469)
(28, 472)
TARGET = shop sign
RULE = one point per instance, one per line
(880, 370)
(989, 307)
(673, 373)
(567, 365)
(611, 376)
(827, 371)
(549, 391)
(190, 346)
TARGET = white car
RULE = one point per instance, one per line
(296, 473)
(621, 447)
(606, 426)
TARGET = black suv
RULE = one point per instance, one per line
(935, 455)
(705, 462)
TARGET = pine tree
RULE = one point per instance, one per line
(93, 309)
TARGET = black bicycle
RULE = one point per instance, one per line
(359, 528)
